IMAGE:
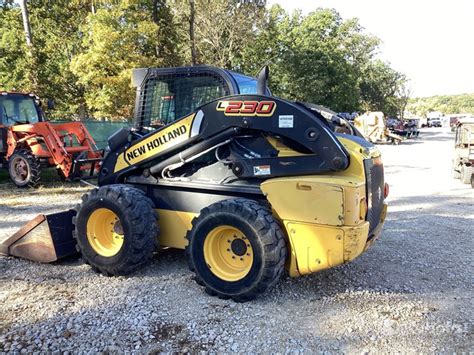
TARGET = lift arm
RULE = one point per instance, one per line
(222, 119)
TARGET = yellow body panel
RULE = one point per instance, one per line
(283, 150)
(178, 132)
(323, 199)
(323, 215)
(173, 228)
(315, 248)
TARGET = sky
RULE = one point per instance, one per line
(432, 42)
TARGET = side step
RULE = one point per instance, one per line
(46, 238)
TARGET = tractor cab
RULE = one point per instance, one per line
(166, 94)
(18, 108)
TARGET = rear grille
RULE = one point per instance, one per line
(375, 191)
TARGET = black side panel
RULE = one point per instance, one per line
(188, 198)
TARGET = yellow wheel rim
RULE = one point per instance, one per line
(105, 232)
(228, 253)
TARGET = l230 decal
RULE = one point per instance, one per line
(246, 108)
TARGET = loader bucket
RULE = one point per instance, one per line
(45, 239)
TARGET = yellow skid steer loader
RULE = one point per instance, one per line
(247, 183)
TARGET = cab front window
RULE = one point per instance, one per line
(18, 109)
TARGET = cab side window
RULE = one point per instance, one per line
(8, 112)
(169, 97)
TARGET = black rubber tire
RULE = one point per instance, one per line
(261, 229)
(32, 165)
(466, 173)
(139, 222)
(472, 181)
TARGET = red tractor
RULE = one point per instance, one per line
(29, 143)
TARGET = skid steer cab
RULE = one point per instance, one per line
(248, 184)
(29, 143)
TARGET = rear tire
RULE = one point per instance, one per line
(466, 173)
(236, 249)
(116, 229)
(24, 168)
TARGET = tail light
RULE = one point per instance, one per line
(386, 190)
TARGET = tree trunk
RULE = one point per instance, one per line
(191, 32)
(156, 20)
(26, 22)
(31, 72)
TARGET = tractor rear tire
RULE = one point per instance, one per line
(116, 229)
(236, 249)
(466, 173)
(24, 168)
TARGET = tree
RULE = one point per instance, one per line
(315, 58)
(123, 36)
(218, 30)
(84, 51)
(381, 88)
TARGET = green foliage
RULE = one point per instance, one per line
(118, 38)
(382, 88)
(13, 62)
(84, 50)
(323, 59)
(446, 104)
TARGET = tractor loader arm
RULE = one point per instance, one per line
(226, 119)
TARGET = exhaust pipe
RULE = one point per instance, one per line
(45, 239)
(262, 81)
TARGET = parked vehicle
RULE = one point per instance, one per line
(29, 143)
(433, 119)
(434, 122)
(463, 160)
(247, 183)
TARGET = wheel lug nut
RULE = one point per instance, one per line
(233, 257)
(228, 241)
(242, 259)
(248, 254)
(228, 249)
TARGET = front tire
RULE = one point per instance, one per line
(24, 168)
(116, 229)
(236, 249)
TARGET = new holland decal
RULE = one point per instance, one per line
(158, 142)
(247, 108)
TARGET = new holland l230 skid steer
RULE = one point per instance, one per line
(245, 182)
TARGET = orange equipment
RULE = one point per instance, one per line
(29, 143)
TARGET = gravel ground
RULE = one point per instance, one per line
(412, 292)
